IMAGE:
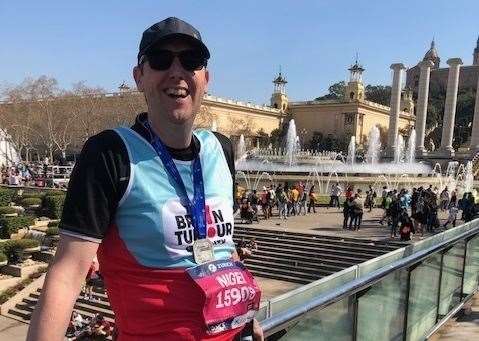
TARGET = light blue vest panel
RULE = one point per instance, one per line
(152, 223)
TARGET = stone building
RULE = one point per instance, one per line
(350, 116)
(467, 77)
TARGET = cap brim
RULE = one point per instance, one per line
(176, 36)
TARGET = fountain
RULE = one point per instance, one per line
(374, 146)
(351, 158)
(291, 143)
(411, 147)
(241, 148)
(399, 150)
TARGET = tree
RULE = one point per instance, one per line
(378, 93)
(336, 91)
(263, 138)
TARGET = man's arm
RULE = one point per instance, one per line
(62, 285)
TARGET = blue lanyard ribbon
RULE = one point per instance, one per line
(195, 208)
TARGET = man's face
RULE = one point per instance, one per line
(174, 94)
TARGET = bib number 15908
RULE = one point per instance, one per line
(232, 296)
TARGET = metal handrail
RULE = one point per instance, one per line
(283, 319)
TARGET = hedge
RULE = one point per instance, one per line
(13, 249)
(7, 210)
(31, 201)
(52, 231)
(53, 205)
(3, 257)
(11, 225)
(7, 195)
(53, 223)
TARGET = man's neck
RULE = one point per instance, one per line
(172, 135)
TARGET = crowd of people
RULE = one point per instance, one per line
(289, 201)
(35, 174)
(88, 329)
(405, 212)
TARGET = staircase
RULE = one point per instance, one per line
(303, 258)
(99, 304)
(287, 256)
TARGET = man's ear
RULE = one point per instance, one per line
(207, 77)
(138, 76)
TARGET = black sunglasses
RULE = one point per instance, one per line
(161, 60)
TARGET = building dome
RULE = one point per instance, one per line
(432, 55)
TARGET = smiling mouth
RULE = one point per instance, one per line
(176, 93)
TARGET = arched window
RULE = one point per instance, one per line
(275, 106)
(351, 95)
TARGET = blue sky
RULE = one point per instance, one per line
(314, 41)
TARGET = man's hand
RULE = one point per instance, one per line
(257, 331)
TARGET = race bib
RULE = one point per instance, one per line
(232, 295)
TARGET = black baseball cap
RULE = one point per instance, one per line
(169, 29)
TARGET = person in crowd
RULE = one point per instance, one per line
(335, 193)
(283, 202)
(395, 211)
(469, 208)
(349, 192)
(246, 248)
(303, 200)
(265, 198)
(444, 199)
(407, 227)
(386, 206)
(294, 198)
(143, 199)
(246, 211)
(357, 211)
(348, 213)
(384, 195)
(453, 200)
(272, 199)
(254, 201)
(312, 200)
(419, 214)
(452, 216)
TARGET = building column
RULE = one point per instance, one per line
(450, 106)
(395, 107)
(422, 99)
(475, 123)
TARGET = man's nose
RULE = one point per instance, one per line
(176, 69)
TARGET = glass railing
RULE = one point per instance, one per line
(406, 294)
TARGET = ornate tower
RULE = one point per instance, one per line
(475, 60)
(279, 100)
(432, 55)
(355, 89)
(407, 102)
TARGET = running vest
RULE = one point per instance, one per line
(154, 227)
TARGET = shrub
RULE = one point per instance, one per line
(53, 205)
(52, 231)
(13, 249)
(3, 257)
(53, 223)
(7, 195)
(31, 201)
(11, 225)
(7, 210)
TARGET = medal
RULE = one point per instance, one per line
(203, 251)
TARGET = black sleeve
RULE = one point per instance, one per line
(97, 183)
(230, 159)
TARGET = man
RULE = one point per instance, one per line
(156, 202)
(336, 191)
